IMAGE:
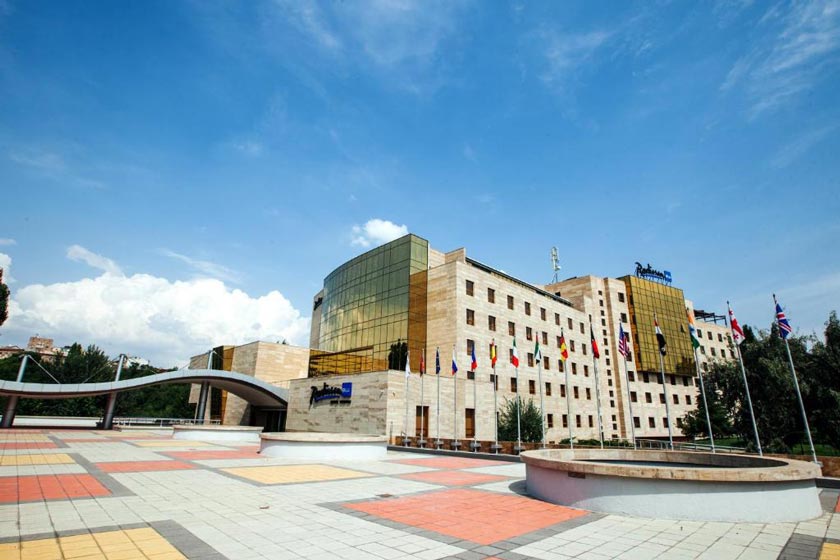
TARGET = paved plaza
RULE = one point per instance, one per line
(123, 495)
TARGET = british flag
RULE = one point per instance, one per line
(784, 327)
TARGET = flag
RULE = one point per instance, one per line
(537, 353)
(660, 338)
(692, 330)
(454, 365)
(514, 359)
(595, 351)
(437, 361)
(423, 362)
(493, 353)
(474, 364)
(784, 327)
(564, 352)
(737, 332)
(622, 342)
(407, 364)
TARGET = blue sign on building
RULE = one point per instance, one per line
(346, 390)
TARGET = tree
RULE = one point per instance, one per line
(530, 421)
(823, 394)
(4, 300)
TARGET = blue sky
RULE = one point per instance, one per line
(180, 174)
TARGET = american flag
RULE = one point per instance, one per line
(623, 349)
(784, 327)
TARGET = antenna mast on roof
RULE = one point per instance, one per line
(555, 265)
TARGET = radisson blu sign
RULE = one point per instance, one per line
(650, 273)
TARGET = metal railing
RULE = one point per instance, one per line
(161, 422)
(686, 446)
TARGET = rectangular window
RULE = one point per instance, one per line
(582, 331)
(550, 420)
(510, 302)
(529, 334)
(491, 323)
(583, 349)
(574, 368)
(588, 394)
(571, 346)
(470, 287)
(624, 317)
(532, 386)
(530, 360)
(558, 342)
(512, 384)
(577, 420)
(699, 333)
(664, 421)
(661, 398)
(471, 375)
(648, 398)
(633, 396)
(494, 379)
(542, 313)
(714, 353)
(469, 422)
(591, 421)
(560, 367)
(565, 421)
(547, 389)
(685, 381)
(631, 376)
(676, 399)
(720, 337)
(491, 295)
(470, 317)
(546, 363)
(527, 308)
(672, 379)
(511, 355)
(563, 391)
(709, 333)
(636, 422)
(571, 324)
(688, 399)
(545, 338)
(557, 319)
(620, 297)
(511, 328)
(575, 392)
(585, 370)
(470, 347)
(647, 377)
(652, 422)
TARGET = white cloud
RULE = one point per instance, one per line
(250, 148)
(565, 53)
(376, 232)
(307, 17)
(793, 150)
(80, 254)
(153, 317)
(206, 268)
(6, 265)
(7, 241)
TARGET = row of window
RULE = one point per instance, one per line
(649, 398)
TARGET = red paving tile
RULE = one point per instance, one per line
(28, 445)
(480, 517)
(50, 487)
(143, 466)
(450, 463)
(204, 455)
(453, 478)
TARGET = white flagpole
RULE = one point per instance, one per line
(423, 435)
(438, 441)
(597, 387)
(475, 409)
(495, 408)
(706, 402)
(629, 398)
(518, 414)
(665, 390)
(798, 393)
(542, 409)
(749, 399)
(568, 405)
(455, 442)
(407, 375)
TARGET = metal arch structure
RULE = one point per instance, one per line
(255, 391)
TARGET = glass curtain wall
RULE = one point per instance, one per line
(646, 298)
(373, 310)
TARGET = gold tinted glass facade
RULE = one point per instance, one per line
(373, 310)
(646, 298)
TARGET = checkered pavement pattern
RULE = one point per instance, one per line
(86, 494)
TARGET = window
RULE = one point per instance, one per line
(688, 399)
(550, 420)
(676, 399)
(709, 335)
(491, 295)
(527, 308)
(574, 368)
(510, 302)
(546, 363)
(558, 342)
(720, 337)
(471, 375)
(685, 381)
(673, 379)
(591, 421)
(608, 361)
(469, 422)
(571, 346)
(470, 317)
(511, 355)
(565, 421)
(612, 404)
(624, 317)
(583, 349)
(542, 313)
(664, 421)
(661, 398)
(532, 386)
(585, 370)
(581, 329)
(491, 323)
(560, 366)
(494, 379)
(699, 333)
(576, 392)
(513, 385)
(588, 394)
(470, 287)
(609, 382)
(631, 376)
(511, 328)
(577, 420)
(603, 322)
(529, 334)
(714, 352)
(571, 325)
(620, 297)
(557, 319)
(563, 391)
(633, 396)
(530, 360)
(648, 398)
(647, 377)
(636, 422)
(652, 422)
(547, 389)
(470, 346)
(545, 338)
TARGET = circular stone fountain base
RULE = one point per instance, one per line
(676, 485)
(216, 432)
(321, 445)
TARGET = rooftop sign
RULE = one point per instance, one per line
(650, 273)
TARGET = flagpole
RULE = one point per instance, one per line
(568, 405)
(455, 442)
(597, 388)
(630, 404)
(542, 409)
(798, 393)
(495, 410)
(422, 441)
(407, 375)
(438, 441)
(665, 390)
(518, 419)
(706, 401)
(749, 399)
(475, 409)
